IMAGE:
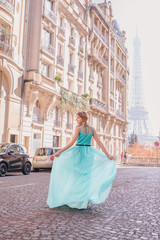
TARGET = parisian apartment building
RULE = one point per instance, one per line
(58, 57)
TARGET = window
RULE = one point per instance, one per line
(56, 113)
(16, 149)
(81, 66)
(47, 37)
(71, 59)
(60, 50)
(37, 104)
(45, 69)
(5, 35)
(55, 141)
(81, 41)
(61, 22)
(72, 31)
(49, 5)
(13, 138)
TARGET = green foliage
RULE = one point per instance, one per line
(86, 95)
(73, 102)
(58, 78)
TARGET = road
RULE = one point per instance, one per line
(132, 210)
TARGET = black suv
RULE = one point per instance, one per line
(13, 157)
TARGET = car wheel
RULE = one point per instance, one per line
(35, 169)
(26, 168)
(3, 169)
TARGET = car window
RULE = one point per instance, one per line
(44, 152)
(21, 150)
(3, 147)
(15, 148)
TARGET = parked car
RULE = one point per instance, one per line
(43, 157)
(13, 157)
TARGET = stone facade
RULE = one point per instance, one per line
(64, 56)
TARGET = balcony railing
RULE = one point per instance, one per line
(6, 49)
(71, 68)
(57, 123)
(100, 35)
(97, 103)
(61, 31)
(122, 80)
(49, 48)
(120, 114)
(38, 119)
(98, 56)
(120, 60)
(51, 15)
(80, 75)
(69, 126)
(9, 6)
(60, 61)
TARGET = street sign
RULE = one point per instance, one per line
(156, 144)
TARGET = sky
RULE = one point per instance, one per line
(144, 15)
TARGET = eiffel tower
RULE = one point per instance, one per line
(139, 125)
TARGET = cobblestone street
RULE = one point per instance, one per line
(132, 210)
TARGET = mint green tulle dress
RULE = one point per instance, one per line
(80, 174)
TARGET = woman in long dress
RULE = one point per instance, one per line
(81, 174)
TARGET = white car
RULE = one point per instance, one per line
(43, 158)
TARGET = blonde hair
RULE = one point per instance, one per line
(84, 117)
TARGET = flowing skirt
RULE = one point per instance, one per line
(79, 175)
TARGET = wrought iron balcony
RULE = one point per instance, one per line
(95, 102)
(38, 119)
(6, 49)
(49, 48)
(102, 37)
(51, 15)
(122, 80)
(98, 57)
(69, 126)
(120, 60)
(57, 123)
(71, 68)
(9, 6)
(60, 61)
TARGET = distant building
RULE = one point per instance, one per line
(65, 56)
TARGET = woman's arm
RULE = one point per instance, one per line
(101, 145)
(74, 138)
